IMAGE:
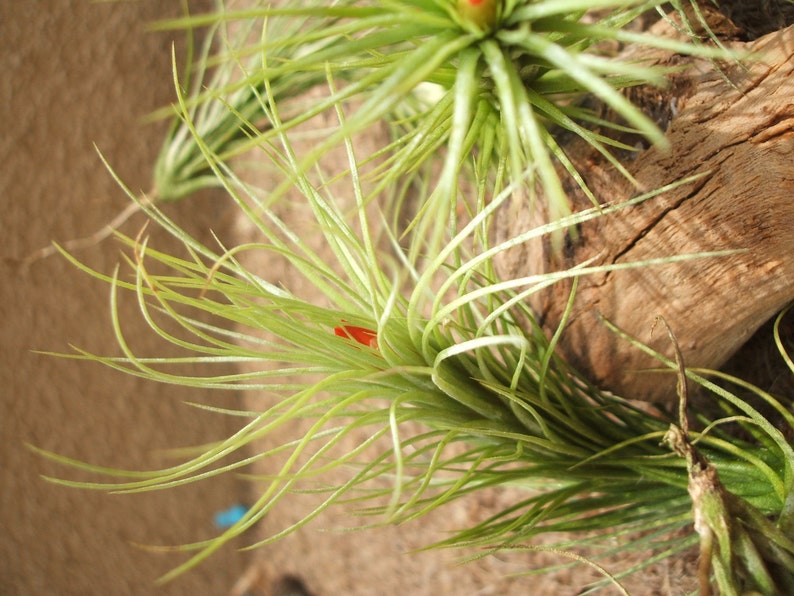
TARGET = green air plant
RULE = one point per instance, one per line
(501, 77)
(412, 329)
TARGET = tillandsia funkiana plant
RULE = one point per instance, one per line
(499, 76)
(407, 326)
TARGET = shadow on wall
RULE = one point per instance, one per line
(75, 74)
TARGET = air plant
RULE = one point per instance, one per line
(414, 329)
(499, 77)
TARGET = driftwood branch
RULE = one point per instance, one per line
(740, 137)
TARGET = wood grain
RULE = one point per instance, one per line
(739, 136)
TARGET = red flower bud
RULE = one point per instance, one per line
(364, 336)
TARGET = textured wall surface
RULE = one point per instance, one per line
(75, 73)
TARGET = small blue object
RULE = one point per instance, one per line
(228, 517)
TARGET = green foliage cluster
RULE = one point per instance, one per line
(475, 94)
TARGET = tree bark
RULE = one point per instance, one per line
(740, 137)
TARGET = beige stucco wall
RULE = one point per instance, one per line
(74, 73)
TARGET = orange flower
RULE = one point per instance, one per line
(362, 335)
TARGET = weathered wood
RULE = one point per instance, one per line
(742, 138)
